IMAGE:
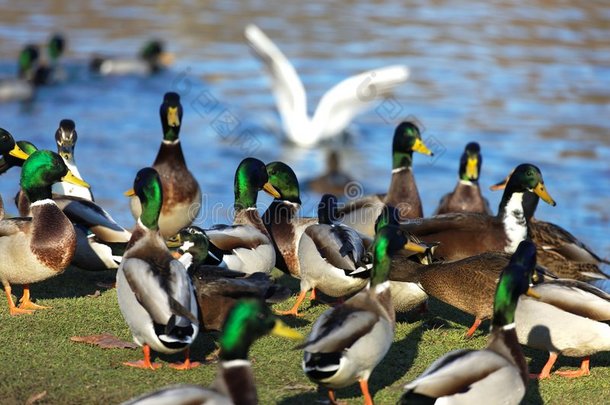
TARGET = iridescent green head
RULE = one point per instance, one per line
(28, 58)
(389, 216)
(151, 50)
(8, 146)
(41, 170)
(251, 177)
(407, 139)
(147, 186)
(525, 178)
(283, 179)
(247, 321)
(171, 116)
(56, 46)
(470, 163)
(193, 240)
(514, 281)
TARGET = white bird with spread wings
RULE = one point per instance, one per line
(336, 108)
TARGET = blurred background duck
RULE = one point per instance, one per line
(569, 318)
(181, 192)
(496, 374)
(155, 293)
(22, 87)
(361, 213)
(152, 58)
(560, 251)
(248, 321)
(246, 245)
(219, 288)
(281, 220)
(41, 246)
(348, 341)
(337, 107)
(466, 197)
(66, 138)
(467, 234)
(333, 180)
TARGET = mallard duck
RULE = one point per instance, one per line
(467, 234)
(559, 250)
(246, 245)
(336, 109)
(334, 180)
(348, 341)
(49, 71)
(151, 59)
(66, 137)
(248, 321)
(21, 88)
(218, 288)
(332, 257)
(284, 227)
(466, 197)
(180, 189)
(570, 318)
(32, 250)
(361, 214)
(100, 241)
(155, 293)
(496, 374)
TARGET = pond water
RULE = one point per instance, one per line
(528, 82)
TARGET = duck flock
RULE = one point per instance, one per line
(373, 257)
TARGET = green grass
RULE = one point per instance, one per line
(37, 354)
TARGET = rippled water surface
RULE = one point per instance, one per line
(528, 82)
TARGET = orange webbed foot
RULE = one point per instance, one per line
(142, 364)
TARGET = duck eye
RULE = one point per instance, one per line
(530, 173)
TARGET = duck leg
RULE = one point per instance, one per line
(582, 371)
(312, 294)
(295, 308)
(188, 364)
(146, 363)
(473, 328)
(546, 370)
(333, 399)
(12, 308)
(364, 387)
(25, 303)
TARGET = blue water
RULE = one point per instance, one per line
(529, 83)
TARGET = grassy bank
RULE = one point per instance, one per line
(37, 354)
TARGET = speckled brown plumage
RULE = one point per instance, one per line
(403, 195)
(53, 237)
(178, 183)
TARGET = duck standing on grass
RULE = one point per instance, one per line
(246, 245)
(466, 197)
(496, 374)
(181, 193)
(41, 246)
(348, 341)
(154, 290)
(248, 321)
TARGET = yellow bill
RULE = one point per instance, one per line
(18, 153)
(420, 146)
(541, 192)
(269, 189)
(174, 242)
(167, 58)
(173, 119)
(283, 330)
(472, 168)
(416, 247)
(71, 178)
(129, 193)
(531, 293)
